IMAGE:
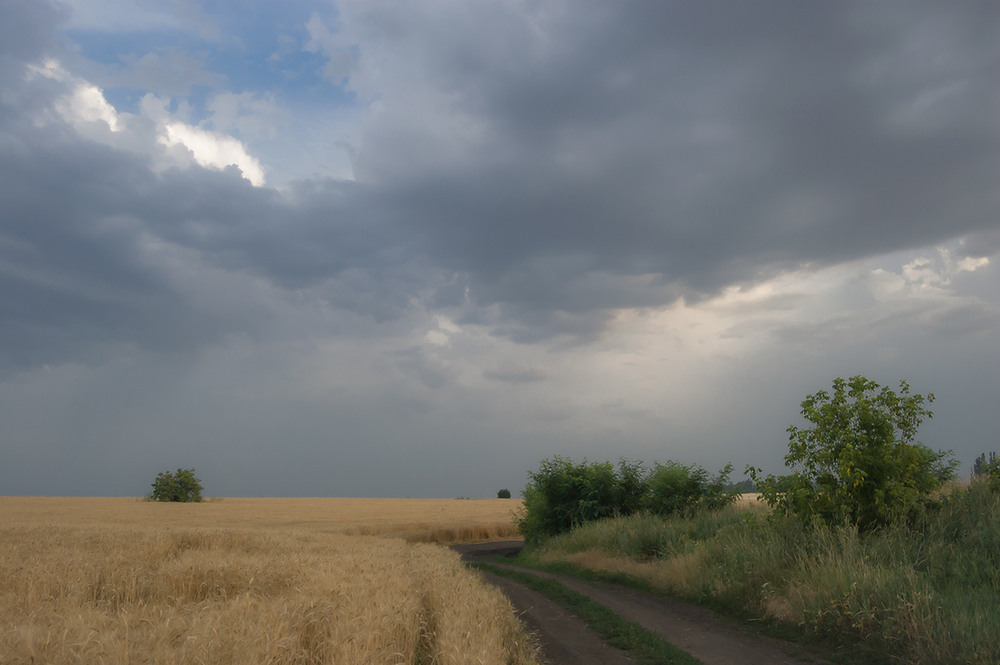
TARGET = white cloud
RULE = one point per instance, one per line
(970, 264)
(441, 336)
(214, 150)
(85, 103)
(437, 338)
(927, 273)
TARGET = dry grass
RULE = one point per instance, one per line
(244, 581)
(673, 574)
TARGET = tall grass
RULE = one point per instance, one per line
(154, 593)
(924, 593)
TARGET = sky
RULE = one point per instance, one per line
(372, 248)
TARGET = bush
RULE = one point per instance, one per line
(180, 486)
(676, 489)
(503, 494)
(858, 464)
(562, 495)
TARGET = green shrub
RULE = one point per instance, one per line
(676, 489)
(561, 495)
(180, 486)
(858, 464)
(503, 494)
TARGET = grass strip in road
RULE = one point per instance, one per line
(527, 559)
(642, 644)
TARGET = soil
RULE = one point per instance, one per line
(566, 640)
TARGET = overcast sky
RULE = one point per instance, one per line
(370, 248)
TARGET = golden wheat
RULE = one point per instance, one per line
(414, 520)
(96, 582)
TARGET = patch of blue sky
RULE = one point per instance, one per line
(294, 78)
(252, 17)
(113, 47)
(261, 52)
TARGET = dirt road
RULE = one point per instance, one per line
(566, 640)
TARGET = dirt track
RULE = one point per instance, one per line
(567, 641)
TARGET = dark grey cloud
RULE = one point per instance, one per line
(515, 375)
(26, 29)
(416, 363)
(702, 146)
(80, 266)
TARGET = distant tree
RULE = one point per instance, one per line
(982, 466)
(743, 487)
(180, 486)
(503, 494)
(987, 470)
(858, 463)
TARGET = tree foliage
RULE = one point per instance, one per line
(503, 494)
(181, 486)
(859, 462)
(987, 470)
(562, 494)
(676, 489)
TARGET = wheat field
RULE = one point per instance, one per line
(249, 581)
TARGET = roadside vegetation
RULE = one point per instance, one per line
(868, 546)
(563, 495)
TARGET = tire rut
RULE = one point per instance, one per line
(563, 638)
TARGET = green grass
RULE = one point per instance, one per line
(920, 593)
(641, 644)
(529, 559)
(644, 536)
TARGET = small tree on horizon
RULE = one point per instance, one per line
(503, 494)
(181, 486)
